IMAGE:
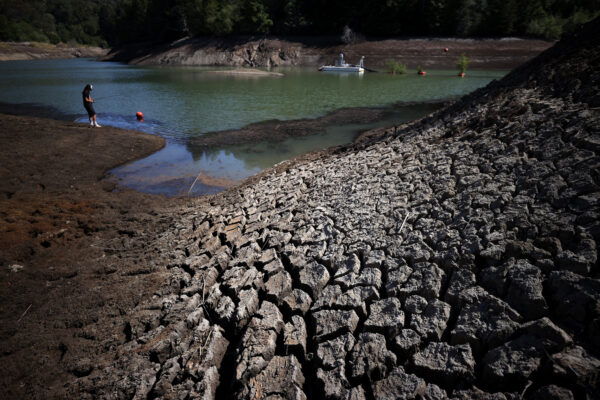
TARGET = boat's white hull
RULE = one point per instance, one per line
(334, 68)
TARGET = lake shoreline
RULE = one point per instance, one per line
(19, 51)
(280, 130)
(67, 241)
(267, 52)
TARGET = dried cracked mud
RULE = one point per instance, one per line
(454, 258)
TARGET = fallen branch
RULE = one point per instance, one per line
(195, 180)
(402, 226)
(19, 320)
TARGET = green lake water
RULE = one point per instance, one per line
(180, 103)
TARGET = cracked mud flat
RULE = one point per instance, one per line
(456, 258)
(305, 283)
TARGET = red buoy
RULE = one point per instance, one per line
(139, 116)
(446, 49)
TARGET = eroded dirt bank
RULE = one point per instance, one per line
(456, 258)
(313, 52)
(11, 51)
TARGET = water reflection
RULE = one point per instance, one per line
(172, 170)
(182, 103)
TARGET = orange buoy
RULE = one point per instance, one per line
(139, 116)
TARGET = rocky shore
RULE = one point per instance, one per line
(455, 258)
(11, 51)
(267, 52)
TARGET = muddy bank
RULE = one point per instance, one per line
(11, 51)
(277, 131)
(73, 253)
(504, 53)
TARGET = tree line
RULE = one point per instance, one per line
(114, 22)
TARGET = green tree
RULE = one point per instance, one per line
(254, 18)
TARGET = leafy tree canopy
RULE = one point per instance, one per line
(110, 22)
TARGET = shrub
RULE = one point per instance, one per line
(462, 62)
(395, 67)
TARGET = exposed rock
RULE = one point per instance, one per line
(425, 280)
(415, 304)
(329, 322)
(206, 351)
(385, 316)
(484, 321)
(355, 298)
(294, 335)
(407, 342)
(312, 278)
(370, 357)
(298, 301)
(434, 392)
(552, 392)
(431, 323)
(576, 366)
(575, 298)
(247, 306)
(330, 295)
(510, 365)
(525, 290)
(461, 279)
(282, 377)
(398, 385)
(552, 337)
(332, 353)
(333, 382)
(445, 364)
(278, 286)
(396, 278)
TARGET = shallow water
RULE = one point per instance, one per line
(180, 103)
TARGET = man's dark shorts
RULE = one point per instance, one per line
(90, 109)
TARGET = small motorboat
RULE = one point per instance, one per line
(342, 66)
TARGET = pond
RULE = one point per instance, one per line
(183, 103)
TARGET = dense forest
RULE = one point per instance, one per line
(113, 22)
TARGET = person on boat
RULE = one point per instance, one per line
(88, 103)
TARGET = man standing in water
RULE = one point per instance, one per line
(89, 106)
